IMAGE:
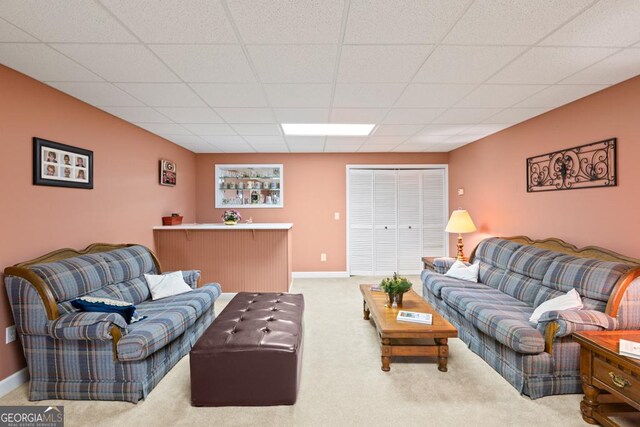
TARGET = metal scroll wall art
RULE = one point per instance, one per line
(586, 166)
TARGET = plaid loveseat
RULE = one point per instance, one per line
(97, 356)
(492, 316)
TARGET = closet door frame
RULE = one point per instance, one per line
(444, 167)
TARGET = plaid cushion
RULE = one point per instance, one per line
(128, 263)
(200, 299)
(442, 265)
(162, 326)
(74, 277)
(531, 261)
(435, 282)
(629, 308)
(508, 325)
(590, 277)
(521, 287)
(496, 252)
(491, 275)
(191, 277)
(459, 299)
(570, 321)
(85, 326)
(28, 311)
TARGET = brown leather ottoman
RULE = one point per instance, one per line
(251, 355)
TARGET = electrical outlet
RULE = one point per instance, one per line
(10, 334)
(323, 257)
(460, 191)
(336, 216)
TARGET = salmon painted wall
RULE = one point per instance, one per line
(314, 189)
(492, 172)
(124, 205)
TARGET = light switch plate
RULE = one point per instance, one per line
(460, 191)
(323, 257)
(336, 216)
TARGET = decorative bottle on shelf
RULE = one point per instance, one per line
(255, 197)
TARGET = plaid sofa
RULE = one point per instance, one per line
(97, 356)
(492, 316)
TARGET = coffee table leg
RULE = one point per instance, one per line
(443, 353)
(365, 309)
(386, 354)
(589, 404)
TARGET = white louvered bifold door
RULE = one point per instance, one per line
(361, 222)
(409, 221)
(434, 215)
(385, 216)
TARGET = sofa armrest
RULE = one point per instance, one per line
(192, 277)
(86, 326)
(557, 324)
(442, 265)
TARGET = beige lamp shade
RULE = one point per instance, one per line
(460, 222)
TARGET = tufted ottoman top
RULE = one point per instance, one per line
(256, 321)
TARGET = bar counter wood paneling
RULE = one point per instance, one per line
(242, 257)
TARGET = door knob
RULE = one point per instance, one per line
(385, 227)
(409, 227)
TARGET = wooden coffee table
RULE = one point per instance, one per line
(405, 338)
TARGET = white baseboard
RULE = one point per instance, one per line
(319, 274)
(14, 381)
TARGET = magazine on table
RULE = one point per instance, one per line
(415, 317)
(630, 349)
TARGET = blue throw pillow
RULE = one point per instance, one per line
(106, 305)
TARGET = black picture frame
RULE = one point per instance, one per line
(61, 165)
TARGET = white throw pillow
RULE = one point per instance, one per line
(166, 285)
(460, 270)
(569, 301)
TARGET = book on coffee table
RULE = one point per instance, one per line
(630, 349)
(415, 317)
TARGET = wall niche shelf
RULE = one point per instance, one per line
(249, 186)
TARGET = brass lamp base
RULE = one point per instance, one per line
(460, 254)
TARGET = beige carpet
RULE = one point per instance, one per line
(342, 383)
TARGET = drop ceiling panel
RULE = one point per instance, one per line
(384, 64)
(426, 139)
(195, 21)
(357, 115)
(366, 95)
(396, 130)
(411, 148)
(242, 147)
(308, 148)
(163, 94)
(549, 64)
(191, 115)
(484, 129)
(342, 147)
(246, 115)
(301, 115)
(168, 130)
(224, 140)
(465, 64)
(231, 94)
(206, 63)
(189, 140)
(99, 94)
(298, 95)
(294, 63)
(603, 24)
(257, 129)
(256, 141)
(376, 148)
(559, 95)
(137, 114)
(43, 63)
(207, 148)
(386, 140)
(412, 115)
(465, 116)
(65, 21)
(294, 141)
(11, 33)
(515, 115)
(282, 21)
(447, 130)
(119, 62)
(515, 22)
(498, 96)
(432, 95)
(346, 140)
(209, 129)
(275, 148)
(401, 22)
(616, 68)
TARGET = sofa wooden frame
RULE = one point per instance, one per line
(559, 245)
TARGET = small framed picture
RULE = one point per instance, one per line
(167, 173)
(61, 165)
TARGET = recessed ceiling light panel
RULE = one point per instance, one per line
(327, 129)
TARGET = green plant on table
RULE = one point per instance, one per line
(395, 285)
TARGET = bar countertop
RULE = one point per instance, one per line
(221, 226)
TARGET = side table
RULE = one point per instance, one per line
(427, 262)
(611, 382)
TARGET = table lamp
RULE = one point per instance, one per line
(460, 222)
